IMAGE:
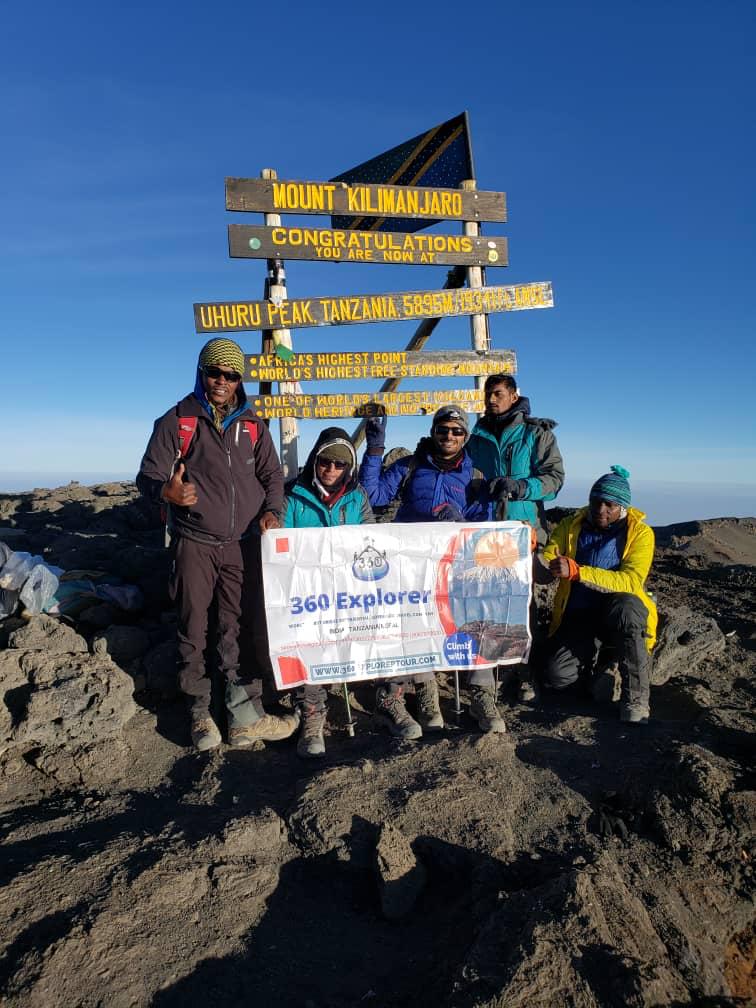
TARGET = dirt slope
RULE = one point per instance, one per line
(136, 872)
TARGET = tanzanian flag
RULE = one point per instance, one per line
(441, 157)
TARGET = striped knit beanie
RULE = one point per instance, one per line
(222, 353)
(613, 486)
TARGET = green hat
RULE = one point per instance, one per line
(222, 353)
(336, 452)
(613, 486)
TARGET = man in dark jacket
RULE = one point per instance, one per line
(213, 463)
(437, 483)
(326, 493)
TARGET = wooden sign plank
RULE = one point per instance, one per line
(360, 404)
(232, 316)
(257, 242)
(360, 200)
(329, 366)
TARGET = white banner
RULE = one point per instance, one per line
(372, 601)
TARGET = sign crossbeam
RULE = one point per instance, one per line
(231, 316)
(363, 404)
(371, 364)
(362, 200)
(247, 241)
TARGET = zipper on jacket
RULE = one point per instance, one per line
(508, 459)
(233, 493)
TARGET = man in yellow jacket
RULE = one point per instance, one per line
(602, 556)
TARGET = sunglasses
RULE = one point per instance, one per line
(327, 463)
(454, 431)
(216, 372)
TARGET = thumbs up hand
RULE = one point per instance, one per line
(177, 492)
(564, 567)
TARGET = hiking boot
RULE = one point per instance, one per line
(392, 714)
(428, 707)
(205, 734)
(634, 713)
(483, 709)
(311, 741)
(606, 685)
(267, 728)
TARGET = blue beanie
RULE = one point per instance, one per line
(613, 486)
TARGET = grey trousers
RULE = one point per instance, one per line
(618, 619)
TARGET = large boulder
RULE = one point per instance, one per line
(61, 701)
(43, 633)
(684, 640)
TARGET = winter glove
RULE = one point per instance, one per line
(448, 512)
(610, 824)
(565, 568)
(615, 817)
(510, 489)
(375, 434)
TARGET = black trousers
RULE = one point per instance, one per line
(201, 574)
(617, 619)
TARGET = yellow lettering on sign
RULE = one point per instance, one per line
(312, 196)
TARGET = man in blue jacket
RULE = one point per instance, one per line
(437, 483)
(326, 493)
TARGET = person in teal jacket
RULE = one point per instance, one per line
(326, 493)
(517, 452)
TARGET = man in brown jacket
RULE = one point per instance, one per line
(213, 463)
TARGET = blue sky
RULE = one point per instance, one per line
(622, 134)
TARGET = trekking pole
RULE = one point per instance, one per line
(457, 705)
(350, 723)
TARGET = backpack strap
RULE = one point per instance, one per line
(250, 426)
(187, 427)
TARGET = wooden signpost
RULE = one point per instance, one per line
(364, 216)
(232, 316)
(432, 204)
(363, 404)
(253, 242)
(345, 366)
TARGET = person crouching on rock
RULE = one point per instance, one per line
(214, 463)
(601, 556)
(326, 493)
(437, 483)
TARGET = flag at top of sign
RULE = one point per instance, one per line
(440, 157)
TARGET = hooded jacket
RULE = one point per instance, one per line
(523, 447)
(237, 477)
(305, 506)
(637, 555)
(428, 485)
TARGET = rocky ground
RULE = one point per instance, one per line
(573, 861)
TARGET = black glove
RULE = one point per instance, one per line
(614, 817)
(508, 488)
(448, 512)
(375, 434)
(610, 824)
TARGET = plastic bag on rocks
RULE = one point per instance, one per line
(17, 569)
(40, 587)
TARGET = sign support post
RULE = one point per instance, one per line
(479, 334)
(275, 291)
(454, 278)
